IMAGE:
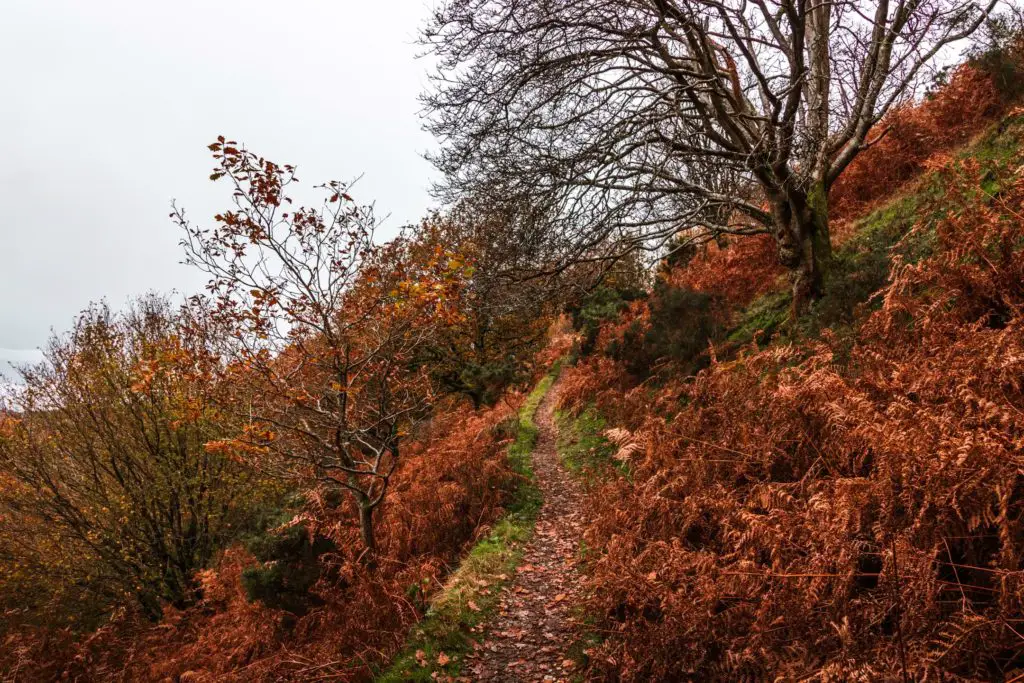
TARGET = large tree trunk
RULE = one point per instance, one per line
(805, 247)
(367, 532)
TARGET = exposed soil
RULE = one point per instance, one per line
(530, 637)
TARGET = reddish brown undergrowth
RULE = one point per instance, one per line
(910, 135)
(451, 487)
(737, 272)
(822, 512)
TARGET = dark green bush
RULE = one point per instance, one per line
(599, 306)
(682, 323)
(483, 383)
(289, 568)
(998, 50)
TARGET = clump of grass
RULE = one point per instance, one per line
(582, 446)
(765, 316)
(471, 594)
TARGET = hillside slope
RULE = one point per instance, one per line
(841, 498)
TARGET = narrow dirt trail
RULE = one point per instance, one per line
(529, 638)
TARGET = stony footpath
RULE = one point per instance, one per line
(530, 637)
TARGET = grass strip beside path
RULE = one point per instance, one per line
(438, 644)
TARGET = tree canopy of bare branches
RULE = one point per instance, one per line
(325, 324)
(637, 120)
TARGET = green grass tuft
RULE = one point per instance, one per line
(582, 446)
(765, 316)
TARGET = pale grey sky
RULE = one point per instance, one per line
(106, 108)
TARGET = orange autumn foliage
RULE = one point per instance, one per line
(452, 484)
(738, 272)
(815, 511)
(909, 136)
(836, 509)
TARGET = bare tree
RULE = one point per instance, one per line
(325, 324)
(638, 120)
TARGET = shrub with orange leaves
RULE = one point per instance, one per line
(110, 496)
(736, 271)
(560, 340)
(328, 337)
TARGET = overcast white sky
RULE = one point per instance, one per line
(106, 108)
